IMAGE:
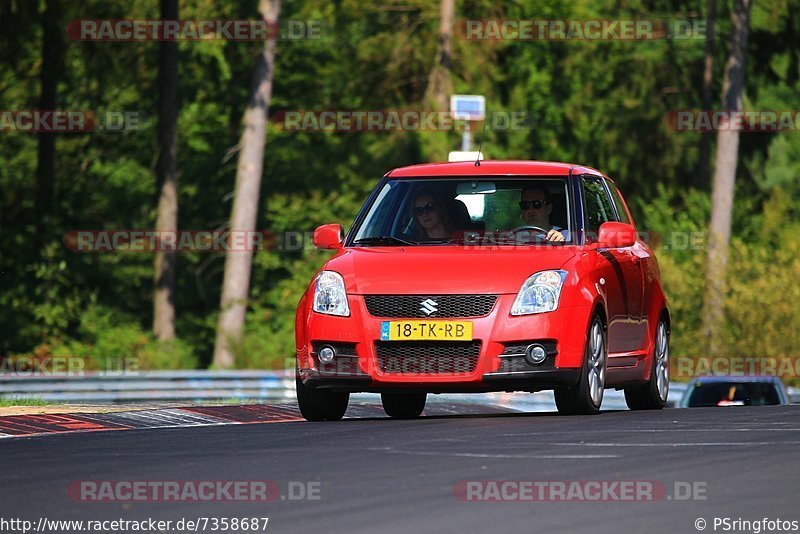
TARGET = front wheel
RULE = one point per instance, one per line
(653, 394)
(586, 397)
(320, 404)
(403, 405)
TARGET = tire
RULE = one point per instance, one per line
(586, 397)
(320, 404)
(653, 394)
(403, 405)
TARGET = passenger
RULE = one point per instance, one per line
(431, 216)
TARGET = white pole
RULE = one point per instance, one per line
(466, 140)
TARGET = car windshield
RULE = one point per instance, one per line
(475, 211)
(733, 394)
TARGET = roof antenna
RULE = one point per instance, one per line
(480, 147)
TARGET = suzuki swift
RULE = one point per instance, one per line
(479, 277)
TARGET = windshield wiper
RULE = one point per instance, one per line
(383, 240)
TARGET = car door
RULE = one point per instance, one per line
(643, 257)
(624, 283)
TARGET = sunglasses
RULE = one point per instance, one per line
(535, 204)
(427, 208)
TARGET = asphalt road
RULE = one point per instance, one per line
(380, 475)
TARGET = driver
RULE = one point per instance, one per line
(536, 207)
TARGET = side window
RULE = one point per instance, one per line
(597, 204)
(615, 196)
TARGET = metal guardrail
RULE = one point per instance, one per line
(204, 386)
(150, 386)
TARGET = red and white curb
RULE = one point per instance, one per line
(13, 426)
(37, 424)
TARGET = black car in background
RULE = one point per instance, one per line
(734, 391)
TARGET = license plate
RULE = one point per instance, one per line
(427, 330)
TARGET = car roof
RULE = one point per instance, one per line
(491, 168)
(730, 378)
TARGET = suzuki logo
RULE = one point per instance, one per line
(429, 306)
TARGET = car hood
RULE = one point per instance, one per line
(442, 270)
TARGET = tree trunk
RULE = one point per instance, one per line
(704, 169)
(48, 78)
(723, 187)
(439, 84)
(167, 219)
(238, 264)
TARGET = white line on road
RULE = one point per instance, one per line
(484, 455)
(657, 430)
(699, 444)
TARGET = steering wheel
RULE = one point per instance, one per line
(526, 227)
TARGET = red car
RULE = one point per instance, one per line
(498, 276)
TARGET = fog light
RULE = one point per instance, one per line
(535, 354)
(326, 354)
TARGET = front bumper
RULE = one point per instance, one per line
(499, 367)
(531, 381)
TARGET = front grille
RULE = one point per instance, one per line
(427, 357)
(445, 305)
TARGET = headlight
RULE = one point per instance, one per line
(539, 293)
(329, 294)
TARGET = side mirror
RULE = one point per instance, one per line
(616, 235)
(329, 236)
